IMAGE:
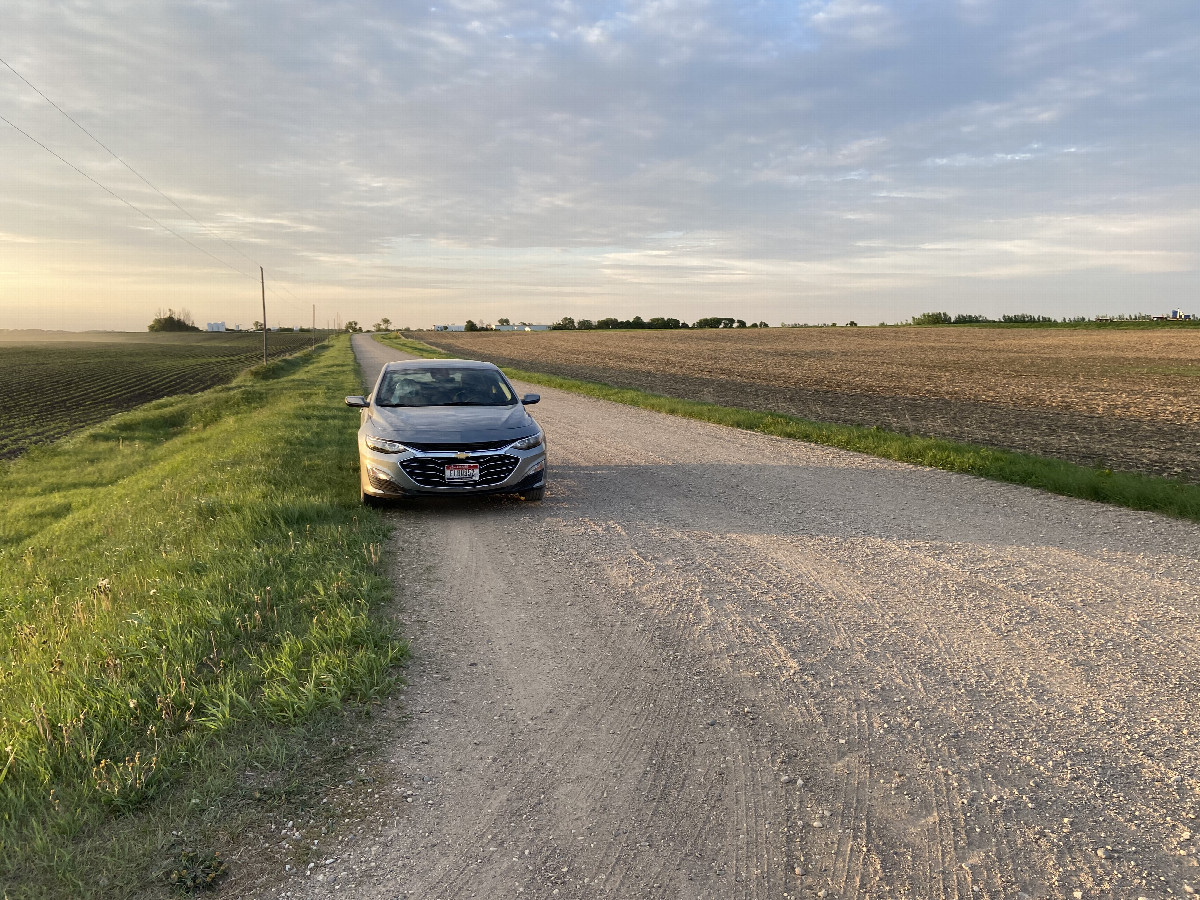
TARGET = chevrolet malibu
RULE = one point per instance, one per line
(447, 427)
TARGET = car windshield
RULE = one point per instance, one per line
(444, 386)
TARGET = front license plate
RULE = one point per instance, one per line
(460, 472)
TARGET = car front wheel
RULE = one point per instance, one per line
(533, 496)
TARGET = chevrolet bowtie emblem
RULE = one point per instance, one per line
(461, 454)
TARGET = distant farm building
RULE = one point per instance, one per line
(216, 326)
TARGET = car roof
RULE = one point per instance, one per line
(438, 364)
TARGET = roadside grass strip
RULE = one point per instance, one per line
(1127, 489)
(181, 588)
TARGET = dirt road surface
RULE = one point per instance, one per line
(715, 664)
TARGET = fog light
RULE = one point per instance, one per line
(537, 467)
(381, 480)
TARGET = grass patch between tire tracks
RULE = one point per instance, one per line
(185, 590)
(1127, 489)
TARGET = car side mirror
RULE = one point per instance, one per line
(357, 402)
(530, 399)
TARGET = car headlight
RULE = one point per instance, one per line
(376, 443)
(528, 443)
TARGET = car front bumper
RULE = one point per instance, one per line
(417, 473)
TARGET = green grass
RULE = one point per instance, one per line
(1131, 490)
(183, 590)
(50, 388)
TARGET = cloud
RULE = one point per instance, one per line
(818, 140)
(859, 21)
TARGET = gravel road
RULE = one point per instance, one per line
(716, 664)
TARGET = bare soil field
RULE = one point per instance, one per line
(1120, 399)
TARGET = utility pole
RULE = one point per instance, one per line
(314, 326)
(263, 281)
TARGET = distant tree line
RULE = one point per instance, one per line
(944, 318)
(566, 323)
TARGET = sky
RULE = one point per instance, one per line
(809, 161)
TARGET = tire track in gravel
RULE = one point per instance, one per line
(715, 664)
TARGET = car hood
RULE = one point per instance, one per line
(451, 424)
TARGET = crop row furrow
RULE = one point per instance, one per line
(51, 389)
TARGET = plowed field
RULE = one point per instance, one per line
(1120, 399)
(50, 388)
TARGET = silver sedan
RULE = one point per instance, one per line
(447, 426)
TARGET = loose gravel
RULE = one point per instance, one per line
(716, 664)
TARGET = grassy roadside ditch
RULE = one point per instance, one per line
(187, 591)
(1127, 489)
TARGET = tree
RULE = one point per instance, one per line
(1025, 319)
(172, 321)
(566, 323)
(353, 327)
(384, 324)
(585, 324)
(470, 326)
(256, 325)
(932, 318)
(503, 321)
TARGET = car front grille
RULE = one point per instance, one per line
(431, 471)
(452, 448)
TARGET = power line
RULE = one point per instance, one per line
(114, 155)
(114, 194)
(143, 179)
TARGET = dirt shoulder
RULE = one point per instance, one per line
(717, 664)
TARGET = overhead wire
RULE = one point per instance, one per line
(115, 156)
(117, 196)
(142, 178)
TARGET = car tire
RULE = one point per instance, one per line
(534, 495)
